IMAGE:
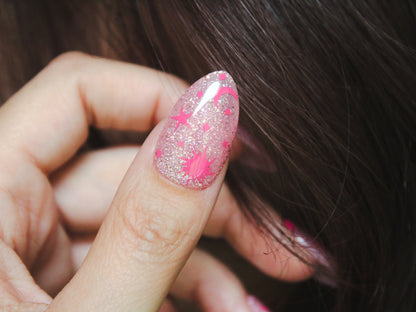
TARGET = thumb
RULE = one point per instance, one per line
(153, 224)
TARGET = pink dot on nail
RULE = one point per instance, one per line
(223, 76)
(225, 143)
(227, 112)
(206, 127)
(200, 94)
(158, 153)
(289, 225)
(180, 143)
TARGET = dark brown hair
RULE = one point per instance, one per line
(327, 88)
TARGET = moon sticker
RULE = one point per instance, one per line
(222, 91)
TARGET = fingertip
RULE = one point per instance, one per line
(270, 254)
(196, 141)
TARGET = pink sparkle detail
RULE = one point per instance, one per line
(222, 91)
(158, 153)
(206, 127)
(200, 94)
(180, 143)
(289, 225)
(223, 76)
(225, 143)
(197, 167)
(181, 119)
(227, 112)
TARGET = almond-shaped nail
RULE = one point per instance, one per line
(197, 137)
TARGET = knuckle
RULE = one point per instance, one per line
(69, 59)
(30, 220)
(157, 234)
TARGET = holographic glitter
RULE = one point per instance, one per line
(197, 137)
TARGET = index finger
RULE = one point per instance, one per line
(48, 119)
(161, 206)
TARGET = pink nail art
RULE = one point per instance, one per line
(256, 305)
(313, 249)
(290, 226)
(196, 140)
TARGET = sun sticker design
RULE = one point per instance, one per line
(197, 167)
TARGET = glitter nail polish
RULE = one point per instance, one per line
(198, 134)
(255, 304)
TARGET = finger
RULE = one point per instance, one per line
(211, 284)
(203, 279)
(85, 189)
(80, 246)
(160, 210)
(53, 266)
(167, 306)
(43, 124)
(16, 284)
(48, 119)
(266, 253)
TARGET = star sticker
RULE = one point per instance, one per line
(181, 119)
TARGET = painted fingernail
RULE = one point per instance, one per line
(296, 234)
(290, 226)
(256, 305)
(197, 137)
(313, 250)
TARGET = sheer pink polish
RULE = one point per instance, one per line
(197, 137)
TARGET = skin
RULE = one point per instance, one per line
(139, 228)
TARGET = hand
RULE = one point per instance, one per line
(96, 175)
(132, 262)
